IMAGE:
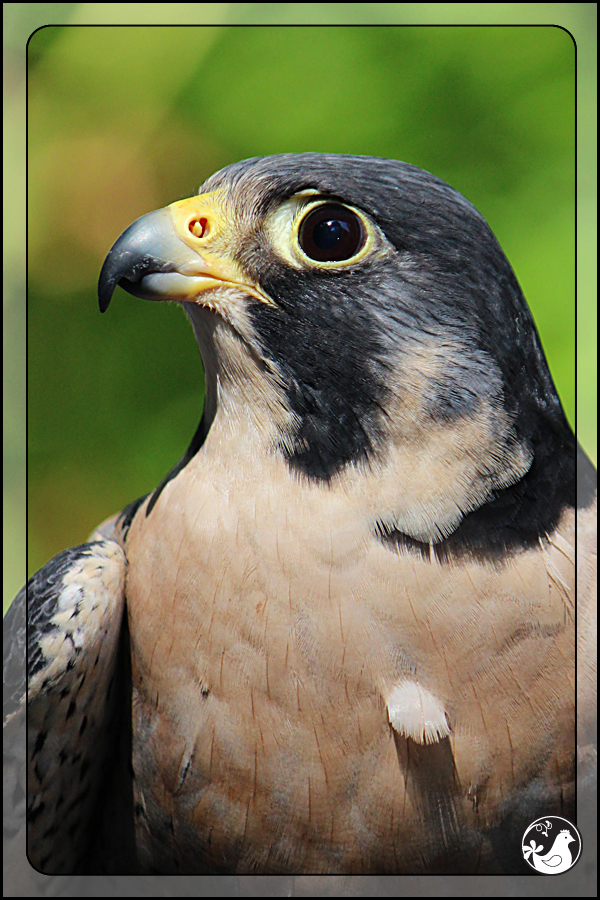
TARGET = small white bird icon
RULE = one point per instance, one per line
(557, 860)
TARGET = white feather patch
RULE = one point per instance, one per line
(414, 712)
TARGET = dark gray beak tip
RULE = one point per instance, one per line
(106, 284)
(143, 248)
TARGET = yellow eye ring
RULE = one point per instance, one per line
(330, 234)
(350, 234)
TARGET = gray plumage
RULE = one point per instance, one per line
(351, 605)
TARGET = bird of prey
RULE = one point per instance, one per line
(339, 636)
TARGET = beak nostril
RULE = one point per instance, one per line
(198, 227)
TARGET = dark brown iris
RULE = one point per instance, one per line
(331, 233)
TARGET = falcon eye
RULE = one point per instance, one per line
(331, 233)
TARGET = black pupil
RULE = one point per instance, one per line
(331, 233)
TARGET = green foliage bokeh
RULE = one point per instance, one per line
(123, 120)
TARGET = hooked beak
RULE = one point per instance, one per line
(175, 253)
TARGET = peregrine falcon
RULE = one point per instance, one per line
(339, 636)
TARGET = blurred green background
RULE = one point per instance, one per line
(122, 120)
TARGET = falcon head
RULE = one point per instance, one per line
(361, 319)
